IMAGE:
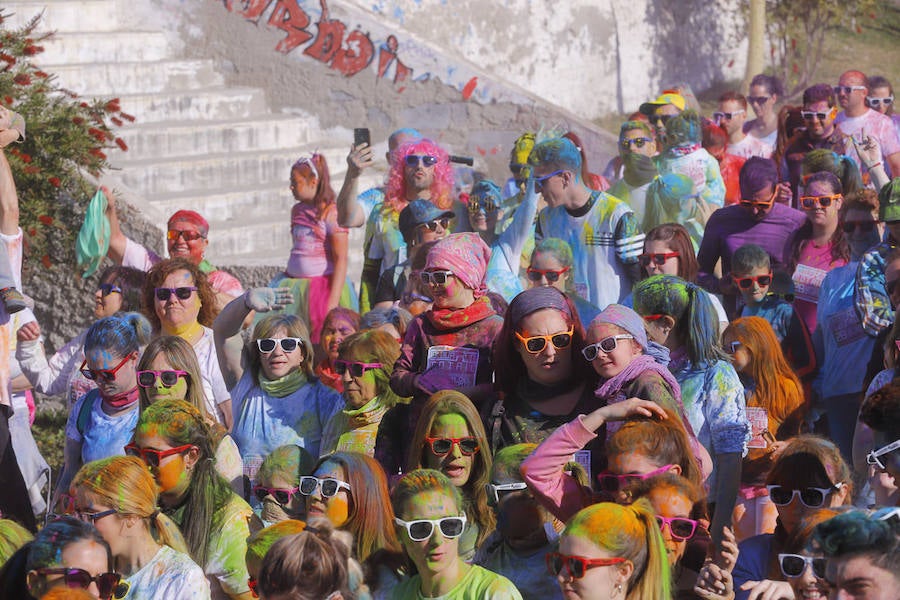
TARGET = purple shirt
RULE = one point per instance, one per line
(731, 227)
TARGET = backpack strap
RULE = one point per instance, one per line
(84, 413)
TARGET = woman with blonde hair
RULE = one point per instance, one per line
(365, 366)
(118, 496)
(612, 551)
(277, 399)
(168, 370)
(450, 438)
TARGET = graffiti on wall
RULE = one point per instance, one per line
(348, 51)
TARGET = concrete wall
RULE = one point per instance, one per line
(473, 74)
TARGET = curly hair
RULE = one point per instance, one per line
(442, 186)
(157, 275)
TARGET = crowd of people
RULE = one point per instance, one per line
(676, 378)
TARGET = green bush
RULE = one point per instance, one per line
(66, 137)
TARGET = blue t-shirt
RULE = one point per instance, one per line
(104, 435)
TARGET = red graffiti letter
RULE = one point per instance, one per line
(251, 10)
(356, 55)
(386, 56)
(328, 40)
(289, 17)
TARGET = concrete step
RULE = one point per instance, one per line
(65, 15)
(115, 78)
(218, 103)
(212, 172)
(112, 46)
(232, 204)
(176, 138)
(252, 234)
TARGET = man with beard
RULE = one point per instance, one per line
(818, 114)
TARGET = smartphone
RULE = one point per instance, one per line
(361, 136)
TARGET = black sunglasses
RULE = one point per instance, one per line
(793, 565)
(433, 225)
(148, 378)
(74, 578)
(412, 160)
(282, 496)
(109, 288)
(288, 344)
(182, 293)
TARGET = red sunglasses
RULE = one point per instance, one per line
(577, 566)
(154, 457)
(105, 375)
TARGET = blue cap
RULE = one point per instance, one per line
(418, 212)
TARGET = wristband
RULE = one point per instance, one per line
(875, 166)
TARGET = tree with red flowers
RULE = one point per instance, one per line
(66, 136)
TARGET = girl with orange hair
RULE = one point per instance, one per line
(775, 409)
(317, 267)
(119, 496)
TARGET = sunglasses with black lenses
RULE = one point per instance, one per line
(288, 345)
(153, 457)
(435, 277)
(330, 486)
(659, 259)
(103, 375)
(745, 283)
(794, 565)
(74, 578)
(413, 160)
(536, 343)
(182, 293)
(607, 345)
(810, 202)
(422, 529)
(109, 288)
(681, 528)
(552, 275)
(357, 369)
(148, 378)
(282, 496)
(810, 497)
(577, 566)
(441, 446)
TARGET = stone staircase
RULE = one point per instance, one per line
(196, 142)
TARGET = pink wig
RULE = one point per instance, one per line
(442, 186)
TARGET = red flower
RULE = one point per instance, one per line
(77, 120)
(112, 106)
(116, 121)
(7, 99)
(101, 137)
(30, 50)
(22, 79)
(46, 219)
(26, 158)
(45, 260)
(54, 181)
(98, 153)
(42, 74)
(121, 144)
(127, 117)
(32, 170)
(8, 58)
(32, 231)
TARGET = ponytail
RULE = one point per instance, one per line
(167, 533)
(702, 327)
(654, 580)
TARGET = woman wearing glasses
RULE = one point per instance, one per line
(101, 422)
(680, 316)
(430, 521)
(66, 553)
(278, 484)
(450, 438)
(179, 301)
(551, 265)
(168, 370)
(118, 495)
(174, 440)
(350, 490)
(277, 398)
(541, 381)
(821, 244)
(808, 475)
(612, 551)
(365, 363)
(776, 411)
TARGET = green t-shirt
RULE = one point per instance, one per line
(478, 584)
